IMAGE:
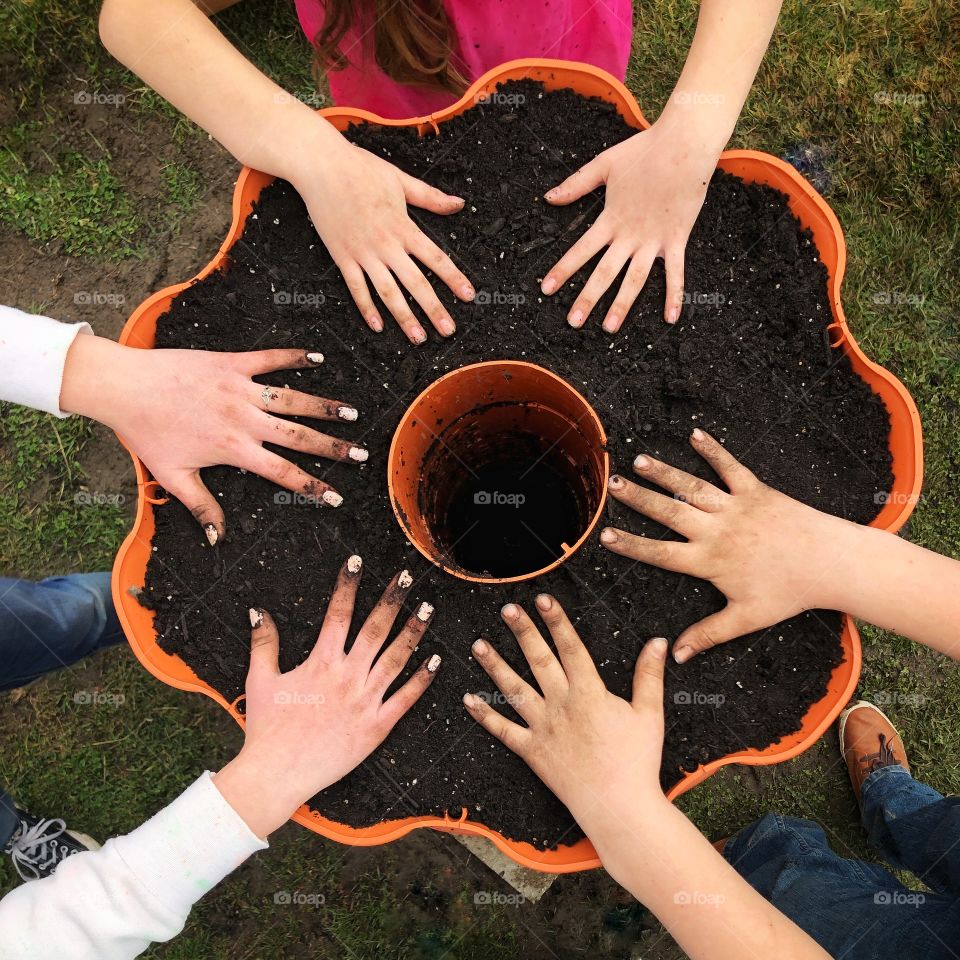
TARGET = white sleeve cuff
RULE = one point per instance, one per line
(33, 352)
(189, 846)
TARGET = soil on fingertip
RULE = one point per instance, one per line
(748, 361)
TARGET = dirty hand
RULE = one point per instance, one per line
(358, 203)
(183, 410)
(771, 556)
(655, 185)
(308, 728)
(591, 748)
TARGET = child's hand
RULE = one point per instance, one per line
(772, 556)
(592, 749)
(183, 410)
(358, 203)
(655, 185)
(310, 727)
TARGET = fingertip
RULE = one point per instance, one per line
(698, 435)
(672, 315)
(611, 324)
(548, 286)
(544, 602)
(658, 647)
(510, 611)
(683, 654)
(608, 535)
(256, 618)
(471, 701)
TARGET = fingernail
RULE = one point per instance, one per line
(480, 647)
(424, 612)
(470, 701)
(608, 536)
(544, 602)
(575, 318)
(682, 654)
(418, 335)
(433, 664)
(611, 324)
(347, 413)
(354, 564)
(332, 498)
(375, 323)
(359, 454)
(698, 434)
(315, 357)
(615, 482)
(212, 536)
(548, 285)
(658, 646)
(404, 581)
(673, 315)
(446, 326)
(256, 618)
(510, 611)
(459, 200)
(467, 292)
(641, 462)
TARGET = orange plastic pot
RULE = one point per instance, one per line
(462, 419)
(905, 446)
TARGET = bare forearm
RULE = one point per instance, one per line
(727, 49)
(898, 586)
(709, 909)
(177, 50)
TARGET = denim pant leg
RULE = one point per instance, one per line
(914, 827)
(51, 624)
(853, 909)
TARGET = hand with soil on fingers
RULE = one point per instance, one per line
(183, 410)
(767, 553)
(308, 728)
(773, 557)
(600, 755)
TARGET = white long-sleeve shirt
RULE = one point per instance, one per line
(111, 904)
(33, 352)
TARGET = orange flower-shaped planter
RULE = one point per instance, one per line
(905, 446)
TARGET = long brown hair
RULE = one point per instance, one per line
(413, 41)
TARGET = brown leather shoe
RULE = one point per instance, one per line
(868, 741)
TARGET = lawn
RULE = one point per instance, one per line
(106, 194)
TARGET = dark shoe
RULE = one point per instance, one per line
(39, 846)
(868, 741)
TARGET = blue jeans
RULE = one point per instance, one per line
(858, 910)
(46, 626)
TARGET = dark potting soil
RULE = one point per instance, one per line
(748, 361)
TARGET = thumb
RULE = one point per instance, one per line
(648, 674)
(727, 624)
(587, 178)
(264, 643)
(420, 194)
(191, 491)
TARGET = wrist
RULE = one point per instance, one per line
(90, 376)
(621, 829)
(261, 799)
(605, 819)
(701, 121)
(305, 146)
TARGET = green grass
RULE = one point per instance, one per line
(873, 85)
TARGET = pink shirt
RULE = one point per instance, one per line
(490, 32)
